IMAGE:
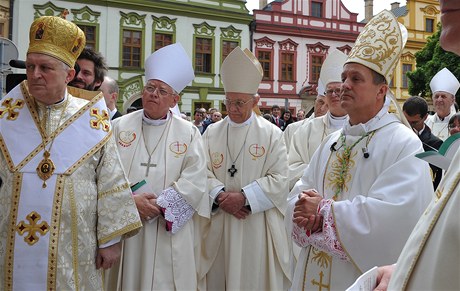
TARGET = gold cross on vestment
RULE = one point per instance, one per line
(32, 228)
(101, 119)
(320, 284)
(10, 107)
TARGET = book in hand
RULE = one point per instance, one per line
(444, 155)
(365, 282)
(141, 187)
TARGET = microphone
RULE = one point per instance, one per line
(17, 64)
(365, 152)
(332, 148)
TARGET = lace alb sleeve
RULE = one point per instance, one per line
(175, 209)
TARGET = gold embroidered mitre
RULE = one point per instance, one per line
(380, 44)
(56, 37)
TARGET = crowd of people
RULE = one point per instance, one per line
(97, 200)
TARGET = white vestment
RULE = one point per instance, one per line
(439, 128)
(305, 142)
(378, 199)
(155, 259)
(288, 133)
(249, 254)
(431, 257)
(86, 203)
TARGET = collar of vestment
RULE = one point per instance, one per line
(155, 122)
(84, 129)
(381, 119)
(234, 124)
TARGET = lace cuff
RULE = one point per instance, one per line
(175, 209)
(325, 240)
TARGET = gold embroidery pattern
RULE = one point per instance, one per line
(9, 262)
(54, 232)
(9, 107)
(32, 228)
(217, 159)
(339, 176)
(74, 232)
(321, 258)
(101, 119)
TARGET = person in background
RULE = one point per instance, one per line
(216, 116)
(164, 156)
(110, 90)
(415, 109)
(429, 260)
(444, 86)
(199, 116)
(93, 69)
(66, 200)
(454, 124)
(245, 245)
(364, 178)
(276, 117)
(300, 115)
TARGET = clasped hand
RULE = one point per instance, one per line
(147, 206)
(306, 211)
(233, 203)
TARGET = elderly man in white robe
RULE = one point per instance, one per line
(308, 137)
(163, 156)
(444, 86)
(245, 245)
(364, 189)
(65, 201)
(430, 258)
(320, 108)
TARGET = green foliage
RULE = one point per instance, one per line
(430, 60)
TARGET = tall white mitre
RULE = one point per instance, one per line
(379, 47)
(444, 81)
(332, 68)
(241, 72)
(321, 90)
(171, 65)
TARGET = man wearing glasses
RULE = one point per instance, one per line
(162, 155)
(247, 183)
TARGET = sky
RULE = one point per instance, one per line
(352, 5)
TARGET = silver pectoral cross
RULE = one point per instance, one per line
(148, 165)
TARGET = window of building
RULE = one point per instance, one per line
(203, 55)
(265, 59)
(90, 34)
(227, 47)
(316, 63)
(405, 80)
(162, 40)
(287, 66)
(132, 48)
(316, 9)
(429, 25)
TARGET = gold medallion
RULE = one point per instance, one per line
(45, 168)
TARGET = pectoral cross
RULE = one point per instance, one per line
(232, 171)
(148, 165)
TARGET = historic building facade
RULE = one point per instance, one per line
(126, 32)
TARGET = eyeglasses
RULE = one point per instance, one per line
(330, 91)
(237, 103)
(161, 92)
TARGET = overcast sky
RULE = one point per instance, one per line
(352, 5)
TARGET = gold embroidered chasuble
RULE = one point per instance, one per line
(155, 259)
(430, 258)
(49, 236)
(390, 187)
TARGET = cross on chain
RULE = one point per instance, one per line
(148, 165)
(232, 171)
(320, 284)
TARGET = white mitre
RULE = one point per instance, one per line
(321, 90)
(444, 81)
(332, 68)
(380, 44)
(241, 72)
(171, 65)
